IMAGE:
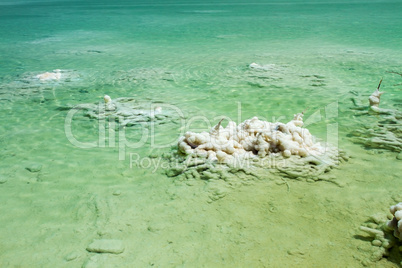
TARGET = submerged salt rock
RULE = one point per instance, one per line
(106, 246)
(266, 67)
(55, 75)
(71, 256)
(117, 193)
(3, 180)
(34, 168)
(127, 111)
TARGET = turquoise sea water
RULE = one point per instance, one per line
(192, 59)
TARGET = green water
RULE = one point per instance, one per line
(192, 58)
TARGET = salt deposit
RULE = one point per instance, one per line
(386, 236)
(375, 97)
(266, 67)
(384, 133)
(55, 75)
(250, 139)
(396, 223)
(127, 111)
(254, 149)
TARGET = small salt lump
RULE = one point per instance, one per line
(109, 105)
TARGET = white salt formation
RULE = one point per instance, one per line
(109, 105)
(374, 133)
(266, 67)
(250, 139)
(374, 98)
(396, 223)
(55, 75)
(107, 99)
(127, 111)
(253, 150)
(386, 236)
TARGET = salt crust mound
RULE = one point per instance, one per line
(255, 148)
(386, 236)
(385, 133)
(252, 137)
(126, 111)
(396, 223)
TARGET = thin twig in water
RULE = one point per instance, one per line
(392, 72)
(378, 88)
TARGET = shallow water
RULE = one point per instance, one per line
(193, 60)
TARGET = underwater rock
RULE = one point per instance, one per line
(71, 256)
(117, 193)
(106, 246)
(3, 180)
(94, 51)
(34, 168)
